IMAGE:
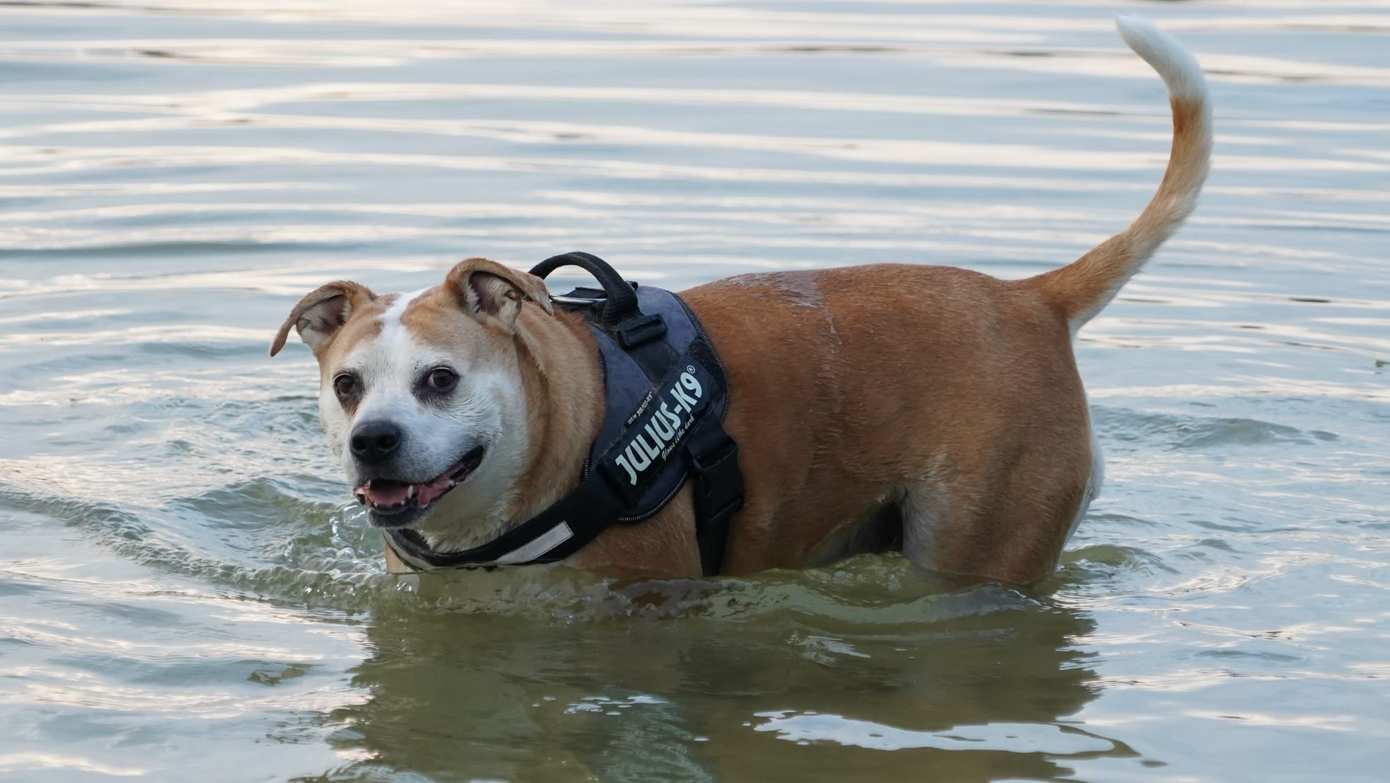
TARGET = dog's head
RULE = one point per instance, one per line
(422, 395)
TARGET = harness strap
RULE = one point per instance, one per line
(628, 477)
(676, 406)
(552, 535)
(718, 491)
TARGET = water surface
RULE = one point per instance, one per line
(187, 593)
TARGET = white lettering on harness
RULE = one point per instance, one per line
(664, 429)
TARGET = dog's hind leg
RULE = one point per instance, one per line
(1002, 525)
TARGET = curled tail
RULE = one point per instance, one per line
(1086, 285)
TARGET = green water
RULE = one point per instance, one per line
(187, 592)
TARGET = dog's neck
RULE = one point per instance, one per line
(564, 390)
(559, 366)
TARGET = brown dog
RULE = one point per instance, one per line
(931, 408)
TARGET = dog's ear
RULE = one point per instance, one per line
(489, 291)
(322, 312)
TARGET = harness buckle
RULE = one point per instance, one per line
(708, 454)
(640, 329)
(581, 297)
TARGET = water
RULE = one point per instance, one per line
(186, 593)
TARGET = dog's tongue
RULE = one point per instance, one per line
(385, 493)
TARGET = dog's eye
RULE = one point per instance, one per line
(345, 386)
(441, 380)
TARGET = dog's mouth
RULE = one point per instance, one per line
(395, 503)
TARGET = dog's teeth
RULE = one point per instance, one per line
(410, 493)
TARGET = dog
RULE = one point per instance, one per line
(934, 410)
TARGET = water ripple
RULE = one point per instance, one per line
(184, 577)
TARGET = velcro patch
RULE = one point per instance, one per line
(657, 427)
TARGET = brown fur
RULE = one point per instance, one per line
(946, 394)
(331, 304)
(940, 396)
(847, 385)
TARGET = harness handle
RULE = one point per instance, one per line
(620, 301)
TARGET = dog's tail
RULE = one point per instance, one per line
(1083, 287)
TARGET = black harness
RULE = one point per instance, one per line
(665, 396)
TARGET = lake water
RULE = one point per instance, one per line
(187, 593)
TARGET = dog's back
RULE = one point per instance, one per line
(945, 397)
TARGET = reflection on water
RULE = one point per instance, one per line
(186, 593)
(765, 679)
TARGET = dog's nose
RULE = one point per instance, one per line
(373, 442)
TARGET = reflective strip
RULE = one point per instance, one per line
(539, 546)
